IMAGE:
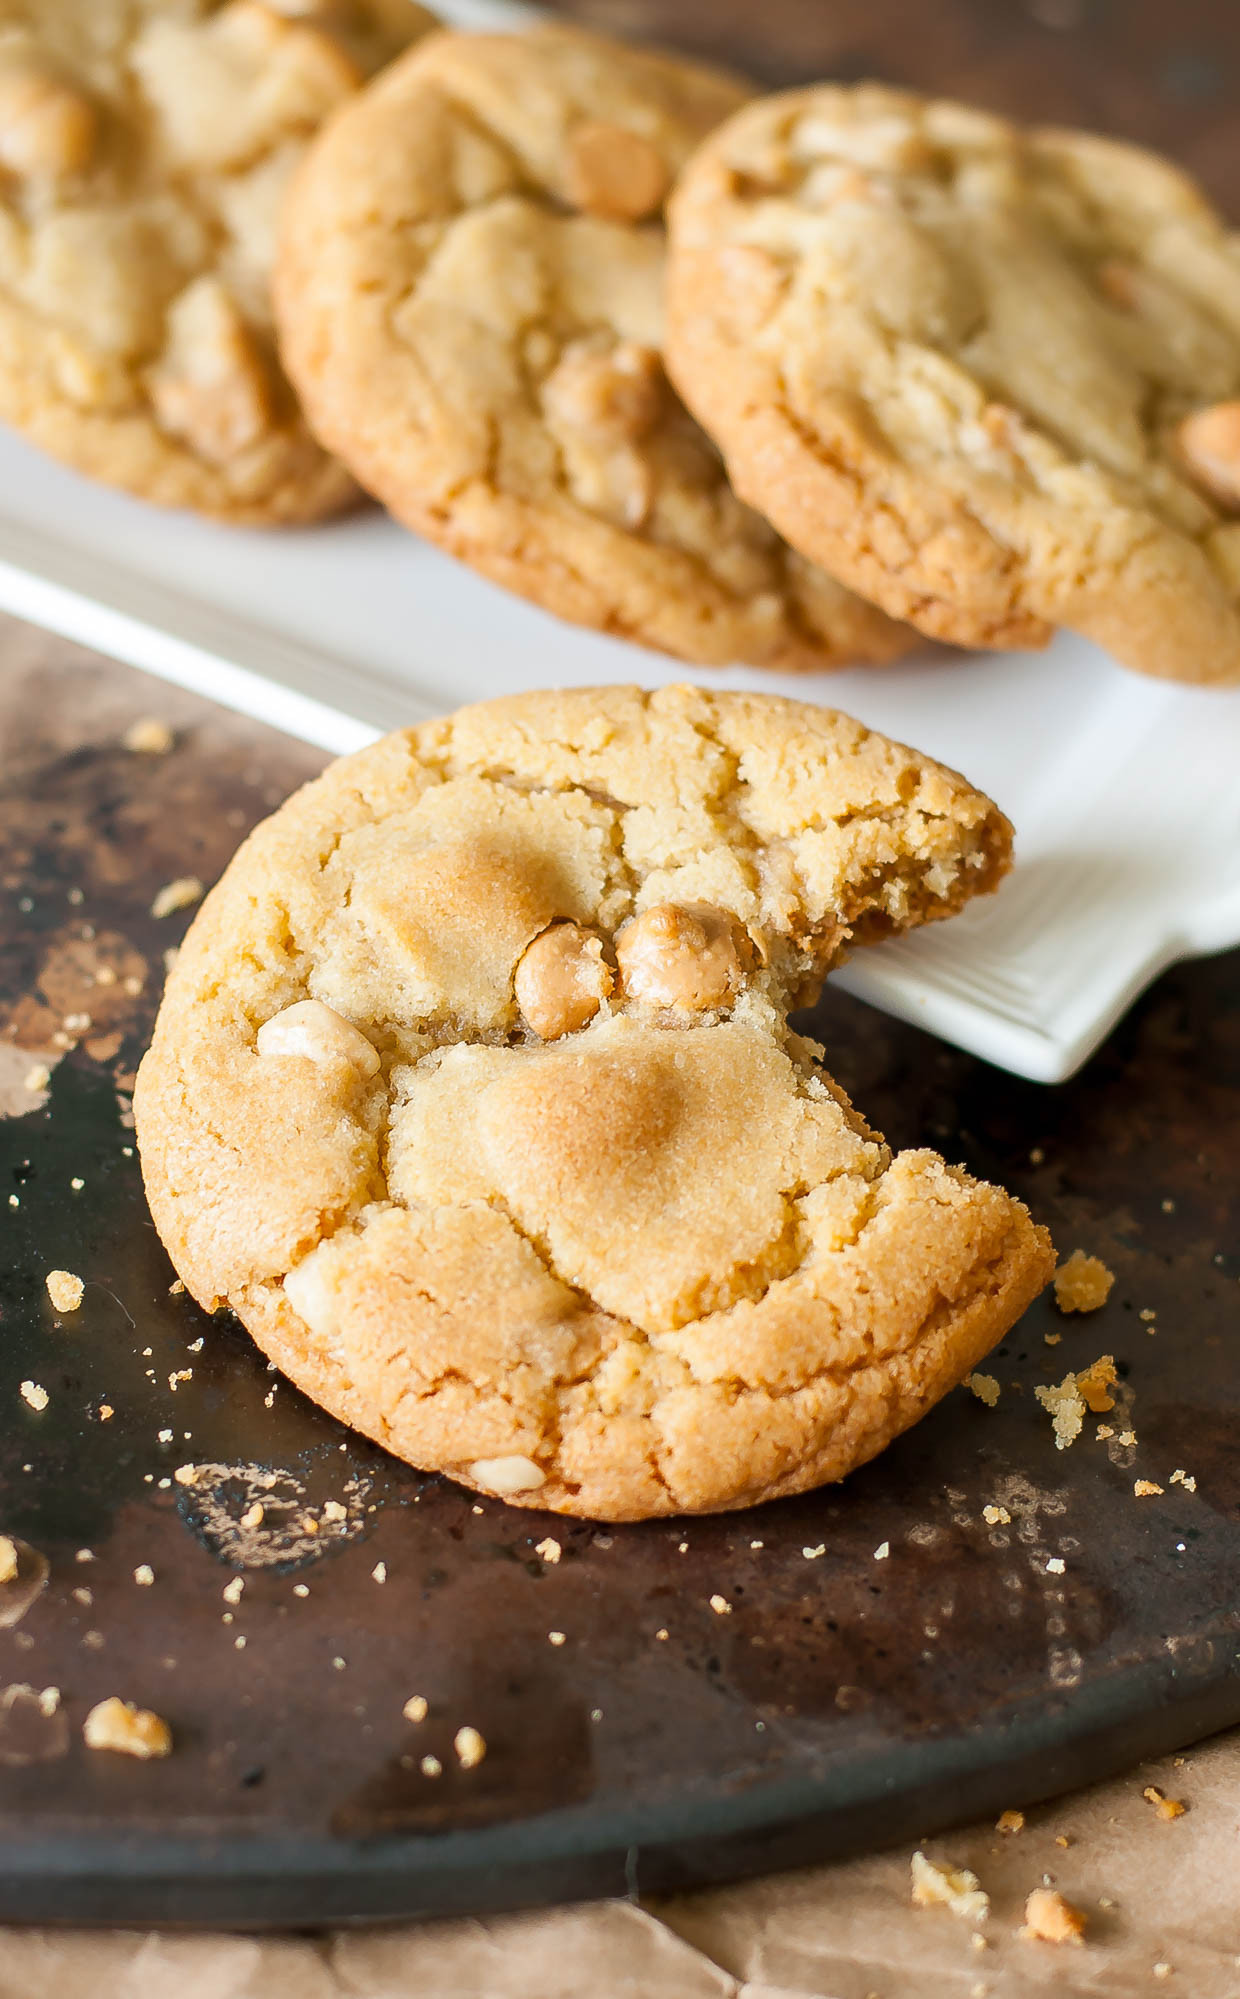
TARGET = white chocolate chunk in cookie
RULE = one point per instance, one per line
(685, 958)
(48, 126)
(210, 386)
(320, 1034)
(562, 980)
(507, 1476)
(1209, 443)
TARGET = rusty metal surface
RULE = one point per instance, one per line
(843, 1699)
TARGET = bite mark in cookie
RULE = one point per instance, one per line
(473, 1094)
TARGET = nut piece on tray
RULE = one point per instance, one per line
(144, 155)
(470, 301)
(473, 1094)
(989, 376)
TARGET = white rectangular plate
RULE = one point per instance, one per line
(1125, 793)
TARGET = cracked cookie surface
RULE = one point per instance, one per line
(470, 299)
(473, 1094)
(989, 375)
(145, 148)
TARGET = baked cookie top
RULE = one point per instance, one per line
(470, 301)
(989, 375)
(473, 1093)
(145, 146)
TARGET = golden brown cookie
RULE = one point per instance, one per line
(145, 146)
(990, 376)
(470, 302)
(473, 1094)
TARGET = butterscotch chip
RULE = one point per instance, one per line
(1050, 1919)
(1167, 1808)
(655, 1263)
(987, 374)
(131, 1731)
(561, 980)
(470, 298)
(1082, 1283)
(145, 151)
(1010, 1822)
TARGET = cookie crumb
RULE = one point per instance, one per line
(1104, 1431)
(163, 1436)
(301, 1589)
(1095, 1383)
(470, 1747)
(431, 1766)
(1082, 1283)
(416, 1708)
(64, 1289)
(996, 1516)
(8, 1558)
(1147, 1315)
(34, 1395)
(882, 1551)
(955, 1888)
(131, 1731)
(106, 1412)
(178, 894)
(1061, 1839)
(1167, 1808)
(1145, 1488)
(1050, 1919)
(186, 1475)
(37, 1078)
(1162, 1969)
(985, 1387)
(379, 1572)
(557, 1637)
(661, 1632)
(144, 1575)
(1128, 1436)
(812, 1554)
(148, 737)
(1010, 1822)
(1055, 1565)
(333, 1510)
(550, 1550)
(720, 1606)
(253, 1515)
(1181, 1477)
(232, 1591)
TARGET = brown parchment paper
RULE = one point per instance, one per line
(1162, 1900)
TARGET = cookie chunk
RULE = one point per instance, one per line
(473, 1094)
(989, 376)
(145, 147)
(470, 300)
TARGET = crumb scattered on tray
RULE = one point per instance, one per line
(470, 1747)
(37, 1078)
(416, 1708)
(882, 1551)
(1167, 1808)
(720, 1605)
(1082, 1283)
(132, 1731)
(1068, 1400)
(34, 1395)
(1055, 1565)
(1181, 1477)
(8, 1558)
(557, 1637)
(1010, 1822)
(1145, 1488)
(253, 1515)
(333, 1510)
(431, 1766)
(379, 1572)
(812, 1554)
(178, 894)
(984, 1386)
(550, 1550)
(144, 1575)
(953, 1888)
(64, 1289)
(996, 1516)
(1049, 1919)
(232, 1592)
(148, 737)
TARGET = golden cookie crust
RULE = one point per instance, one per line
(469, 295)
(145, 146)
(655, 1262)
(989, 375)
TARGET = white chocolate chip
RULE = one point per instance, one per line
(506, 1476)
(319, 1034)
